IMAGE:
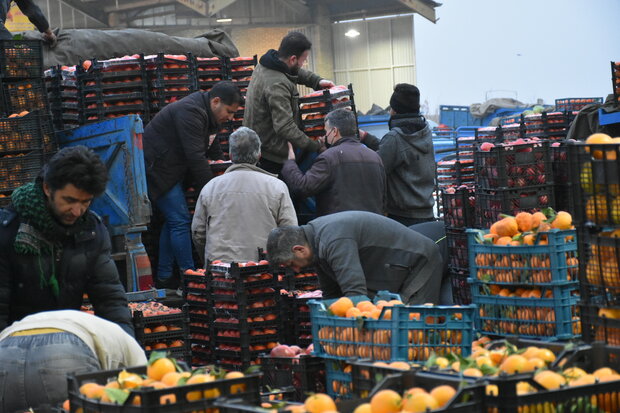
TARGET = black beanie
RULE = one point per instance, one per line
(405, 99)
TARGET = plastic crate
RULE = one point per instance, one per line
(176, 326)
(411, 333)
(468, 398)
(461, 291)
(600, 266)
(525, 264)
(595, 174)
(459, 208)
(24, 95)
(488, 134)
(150, 400)
(539, 317)
(18, 169)
(615, 80)
(513, 166)
(598, 324)
(366, 375)
(570, 104)
(305, 373)
(490, 204)
(338, 379)
(457, 248)
(21, 59)
(561, 177)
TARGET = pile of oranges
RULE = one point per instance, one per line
(523, 228)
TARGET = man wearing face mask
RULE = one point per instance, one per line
(272, 108)
(346, 177)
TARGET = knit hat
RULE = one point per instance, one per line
(405, 99)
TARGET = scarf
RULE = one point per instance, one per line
(39, 233)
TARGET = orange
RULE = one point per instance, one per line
(92, 390)
(419, 402)
(513, 364)
(401, 365)
(550, 380)
(381, 304)
(23, 113)
(529, 239)
(129, 380)
(159, 368)
(503, 241)
(365, 306)
(599, 138)
(525, 221)
(196, 379)
(160, 329)
(491, 390)
(530, 352)
(363, 408)
(386, 401)
(353, 312)
(584, 380)
(573, 373)
(319, 403)
(563, 220)
(443, 394)
(173, 377)
(472, 372)
(341, 306)
(546, 355)
(235, 388)
(537, 219)
(603, 372)
(534, 364)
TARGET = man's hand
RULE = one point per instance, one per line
(291, 152)
(326, 84)
(50, 38)
(362, 134)
(321, 141)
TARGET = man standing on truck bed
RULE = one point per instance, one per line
(180, 140)
(53, 249)
(34, 14)
(272, 108)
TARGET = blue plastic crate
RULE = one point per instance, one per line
(338, 379)
(525, 264)
(545, 318)
(405, 333)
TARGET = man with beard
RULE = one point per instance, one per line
(53, 250)
(272, 108)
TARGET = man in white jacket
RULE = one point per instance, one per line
(37, 353)
(236, 211)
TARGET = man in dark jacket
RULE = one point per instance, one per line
(360, 253)
(346, 177)
(34, 14)
(53, 249)
(272, 107)
(408, 158)
(179, 141)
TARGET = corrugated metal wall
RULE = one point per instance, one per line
(381, 56)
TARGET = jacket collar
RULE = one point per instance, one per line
(309, 231)
(206, 98)
(271, 60)
(408, 122)
(344, 139)
(247, 167)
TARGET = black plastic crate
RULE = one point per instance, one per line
(18, 169)
(459, 208)
(366, 374)
(161, 327)
(187, 398)
(24, 95)
(561, 177)
(461, 290)
(595, 178)
(513, 166)
(305, 373)
(600, 323)
(457, 248)
(615, 80)
(599, 266)
(490, 204)
(21, 59)
(455, 170)
(488, 134)
(23, 133)
(177, 349)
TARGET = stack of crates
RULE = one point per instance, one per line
(458, 215)
(170, 78)
(595, 178)
(315, 106)
(208, 71)
(306, 374)
(168, 332)
(552, 126)
(26, 131)
(529, 291)
(575, 104)
(488, 134)
(408, 333)
(615, 80)
(297, 327)
(237, 310)
(511, 178)
(104, 89)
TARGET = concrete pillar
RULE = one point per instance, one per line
(322, 42)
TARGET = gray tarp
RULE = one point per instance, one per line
(81, 44)
(480, 110)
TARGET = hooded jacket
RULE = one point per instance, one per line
(30, 9)
(346, 177)
(272, 107)
(409, 161)
(180, 139)
(360, 253)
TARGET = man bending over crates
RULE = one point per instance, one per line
(38, 352)
(360, 253)
(53, 249)
(34, 14)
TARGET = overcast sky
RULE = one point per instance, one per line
(535, 48)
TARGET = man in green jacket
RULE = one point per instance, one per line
(360, 253)
(271, 105)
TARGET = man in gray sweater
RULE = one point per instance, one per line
(360, 253)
